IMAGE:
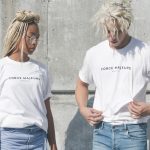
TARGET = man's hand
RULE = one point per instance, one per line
(139, 109)
(91, 115)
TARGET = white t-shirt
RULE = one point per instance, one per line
(23, 88)
(119, 76)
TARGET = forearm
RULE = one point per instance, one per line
(51, 129)
(81, 94)
(91, 115)
(148, 108)
(51, 135)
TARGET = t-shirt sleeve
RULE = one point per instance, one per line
(85, 74)
(48, 85)
(147, 59)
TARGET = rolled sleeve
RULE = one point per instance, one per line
(48, 85)
(85, 74)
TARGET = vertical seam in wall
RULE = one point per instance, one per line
(47, 32)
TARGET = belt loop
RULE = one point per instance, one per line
(45, 143)
(125, 126)
(102, 126)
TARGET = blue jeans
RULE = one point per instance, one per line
(120, 137)
(29, 138)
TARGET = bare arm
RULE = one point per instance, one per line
(139, 109)
(91, 115)
(81, 93)
(51, 130)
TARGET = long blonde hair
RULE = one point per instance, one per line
(115, 12)
(17, 29)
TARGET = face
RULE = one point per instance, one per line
(30, 40)
(116, 39)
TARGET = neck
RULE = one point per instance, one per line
(125, 43)
(17, 57)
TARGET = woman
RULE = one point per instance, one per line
(25, 115)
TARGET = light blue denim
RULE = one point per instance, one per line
(29, 138)
(120, 137)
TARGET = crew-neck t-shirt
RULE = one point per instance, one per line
(119, 76)
(24, 86)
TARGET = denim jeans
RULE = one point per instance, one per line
(120, 137)
(29, 138)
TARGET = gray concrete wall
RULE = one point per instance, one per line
(66, 34)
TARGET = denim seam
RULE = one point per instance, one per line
(28, 139)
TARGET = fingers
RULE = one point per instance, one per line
(95, 111)
(95, 117)
(134, 108)
(92, 123)
(136, 103)
(135, 116)
(91, 115)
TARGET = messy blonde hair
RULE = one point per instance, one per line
(115, 12)
(17, 30)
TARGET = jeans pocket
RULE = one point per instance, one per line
(98, 127)
(10, 130)
(137, 132)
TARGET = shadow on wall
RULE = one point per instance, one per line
(79, 133)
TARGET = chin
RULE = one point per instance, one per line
(31, 51)
(113, 46)
(116, 45)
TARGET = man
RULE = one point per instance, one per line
(120, 70)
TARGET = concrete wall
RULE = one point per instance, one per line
(66, 34)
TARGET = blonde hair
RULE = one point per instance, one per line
(17, 29)
(115, 12)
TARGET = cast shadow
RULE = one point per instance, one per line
(79, 133)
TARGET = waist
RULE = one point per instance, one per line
(120, 126)
(18, 121)
(124, 118)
